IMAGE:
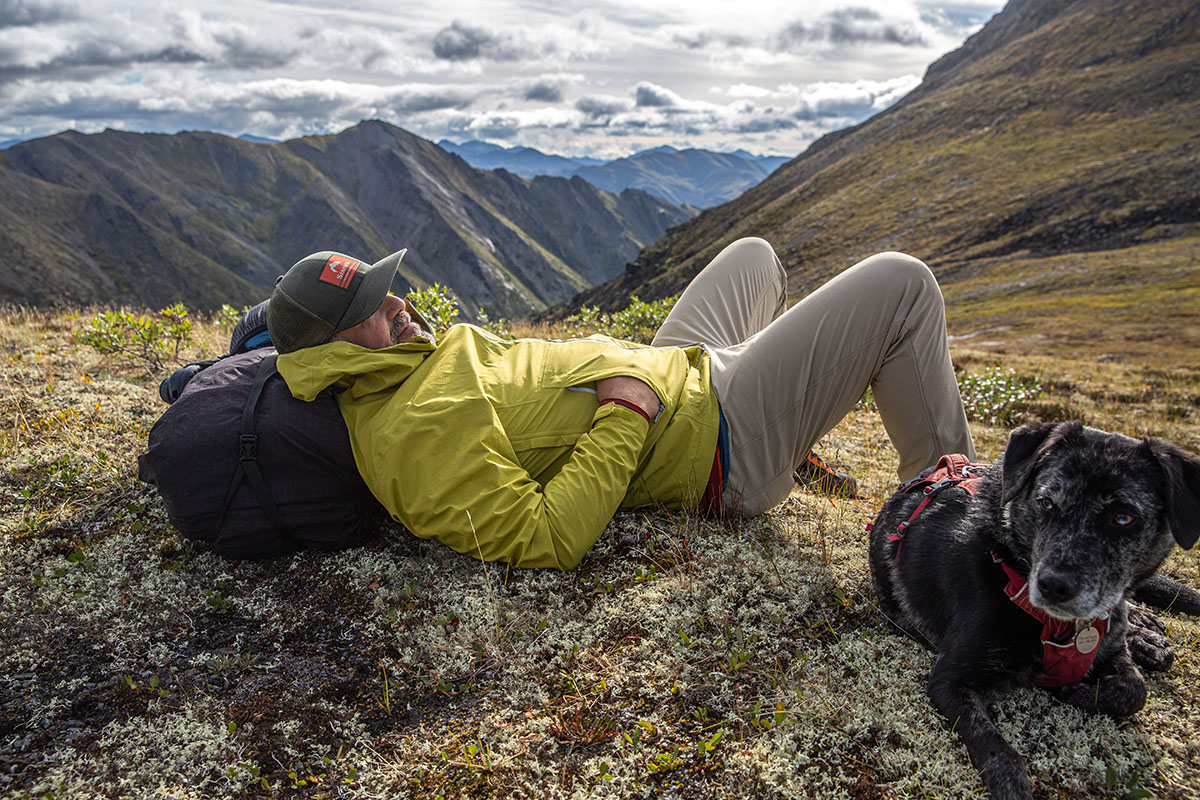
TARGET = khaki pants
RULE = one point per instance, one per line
(786, 377)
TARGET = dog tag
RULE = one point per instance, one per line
(1087, 639)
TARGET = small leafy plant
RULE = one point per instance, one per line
(437, 304)
(497, 326)
(637, 322)
(149, 341)
(1125, 789)
(228, 317)
(998, 396)
(215, 601)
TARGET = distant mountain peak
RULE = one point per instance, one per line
(691, 177)
(662, 148)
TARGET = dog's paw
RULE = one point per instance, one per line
(1141, 618)
(1005, 777)
(1118, 694)
(1149, 648)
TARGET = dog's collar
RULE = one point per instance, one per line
(1068, 646)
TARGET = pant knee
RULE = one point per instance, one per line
(750, 244)
(901, 272)
(756, 251)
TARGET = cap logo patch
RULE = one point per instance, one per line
(339, 270)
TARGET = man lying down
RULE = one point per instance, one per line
(522, 451)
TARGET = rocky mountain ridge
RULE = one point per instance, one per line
(151, 219)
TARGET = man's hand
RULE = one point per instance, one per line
(635, 390)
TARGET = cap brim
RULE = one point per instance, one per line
(375, 285)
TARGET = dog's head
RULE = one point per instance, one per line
(1094, 512)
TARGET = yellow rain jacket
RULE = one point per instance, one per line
(499, 449)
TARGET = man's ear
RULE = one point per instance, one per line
(1025, 445)
(1181, 474)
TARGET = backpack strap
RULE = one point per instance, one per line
(247, 462)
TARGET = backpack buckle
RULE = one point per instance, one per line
(248, 443)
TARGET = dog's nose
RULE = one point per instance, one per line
(1057, 586)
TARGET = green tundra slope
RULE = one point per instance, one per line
(1046, 170)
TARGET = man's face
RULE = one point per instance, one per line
(390, 324)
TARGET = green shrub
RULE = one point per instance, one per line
(637, 322)
(499, 327)
(583, 323)
(228, 317)
(999, 397)
(151, 342)
(437, 304)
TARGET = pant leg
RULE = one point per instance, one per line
(881, 324)
(737, 295)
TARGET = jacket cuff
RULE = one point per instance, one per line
(632, 406)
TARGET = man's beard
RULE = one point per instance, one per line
(400, 322)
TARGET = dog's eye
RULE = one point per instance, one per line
(1046, 503)
(1122, 519)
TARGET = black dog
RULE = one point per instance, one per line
(1069, 522)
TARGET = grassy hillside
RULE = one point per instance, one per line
(1045, 170)
(682, 659)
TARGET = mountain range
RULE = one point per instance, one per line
(524, 161)
(1046, 170)
(691, 177)
(151, 219)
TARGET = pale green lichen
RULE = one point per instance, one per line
(142, 667)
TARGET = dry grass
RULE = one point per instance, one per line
(1137, 304)
(682, 659)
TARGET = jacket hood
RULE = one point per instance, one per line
(350, 368)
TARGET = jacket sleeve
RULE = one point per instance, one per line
(489, 506)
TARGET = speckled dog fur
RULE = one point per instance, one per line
(1086, 517)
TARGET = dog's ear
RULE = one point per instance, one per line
(1181, 470)
(1025, 444)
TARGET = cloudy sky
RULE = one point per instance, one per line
(602, 78)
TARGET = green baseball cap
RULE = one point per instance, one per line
(324, 294)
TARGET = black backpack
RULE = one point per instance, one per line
(242, 464)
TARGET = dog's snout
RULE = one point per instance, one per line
(1057, 586)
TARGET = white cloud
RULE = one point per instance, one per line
(650, 95)
(855, 26)
(596, 105)
(504, 124)
(854, 99)
(551, 43)
(280, 107)
(26, 13)
(550, 88)
(744, 90)
(555, 75)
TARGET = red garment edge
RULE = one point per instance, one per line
(632, 406)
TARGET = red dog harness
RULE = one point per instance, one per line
(1068, 646)
(952, 470)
